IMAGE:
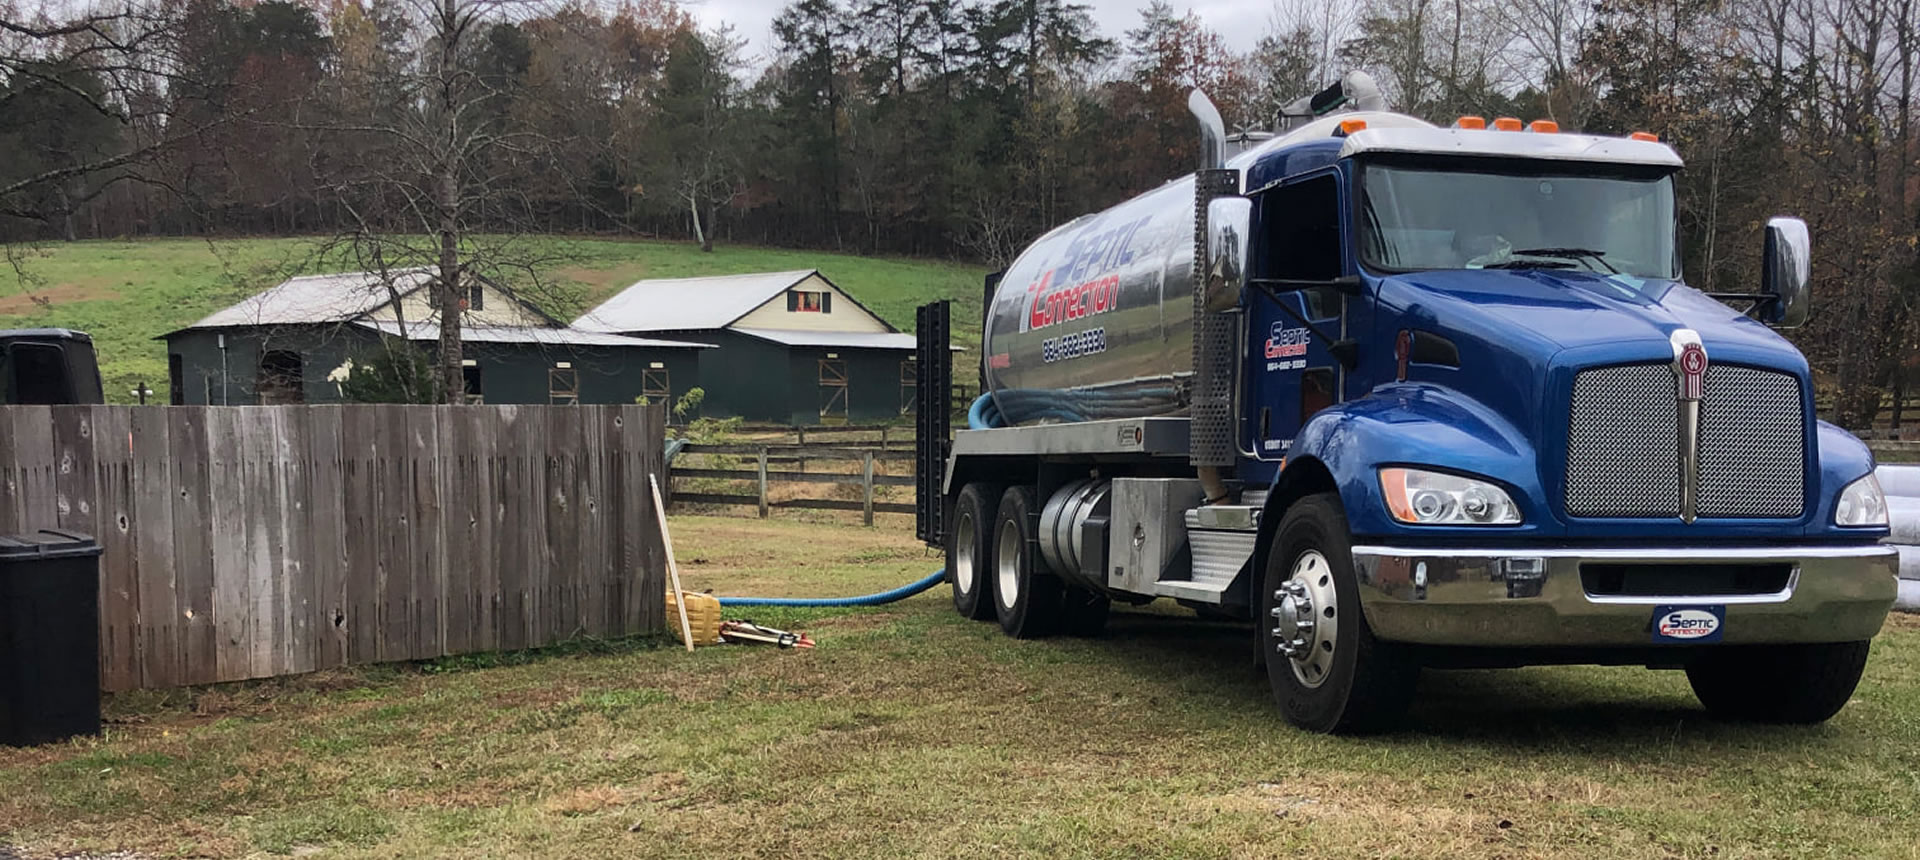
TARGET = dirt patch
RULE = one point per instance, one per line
(587, 801)
(85, 290)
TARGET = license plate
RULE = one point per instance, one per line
(1688, 624)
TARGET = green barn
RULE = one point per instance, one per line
(295, 342)
(792, 348)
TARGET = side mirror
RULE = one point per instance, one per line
(1228, 221)
(1786, 272)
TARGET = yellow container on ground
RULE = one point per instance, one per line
(703, 615)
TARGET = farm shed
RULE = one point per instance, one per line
(793, 348)
(291, 343)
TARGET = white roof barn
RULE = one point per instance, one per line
(794, 348)
(774, 306)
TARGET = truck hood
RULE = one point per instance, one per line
(1569, 309)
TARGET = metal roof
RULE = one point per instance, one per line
(680, 304)
(1552, 146)
(318, 299)
(426, 331)
(848, 339)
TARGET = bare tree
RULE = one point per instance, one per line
(695, 150)
(432, 168)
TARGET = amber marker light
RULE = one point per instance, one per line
(1544, 126)
(1471, 122)
(1393, 484)
(1506, 123)
(1647, 136)
(1349, 126)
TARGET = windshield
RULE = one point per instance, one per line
(1415, 218)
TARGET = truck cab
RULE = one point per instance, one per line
(1421, 397)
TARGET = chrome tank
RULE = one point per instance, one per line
(1095, 319)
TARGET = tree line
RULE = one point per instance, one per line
(939, 127)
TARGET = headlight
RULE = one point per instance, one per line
(1439, 499)
(1861, 504)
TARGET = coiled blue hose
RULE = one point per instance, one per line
(901, 593)
(983, 415)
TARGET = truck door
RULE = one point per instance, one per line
(1290, 372)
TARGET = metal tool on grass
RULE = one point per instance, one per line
(747, 631)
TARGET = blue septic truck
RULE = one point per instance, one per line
(1409, 396)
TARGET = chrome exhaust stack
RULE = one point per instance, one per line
(1211, 446)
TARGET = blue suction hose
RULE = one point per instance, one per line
(901, 593)
(980, 416)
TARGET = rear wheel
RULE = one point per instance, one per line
(1026, 598)
(969, 550)
(1327, 672)
(1778, 683)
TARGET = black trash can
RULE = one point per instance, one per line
(49, 637)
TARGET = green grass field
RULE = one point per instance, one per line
(126, 293)
(912, 732)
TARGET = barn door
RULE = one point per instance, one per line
(655, 385)
(563, 386)
(280, 378)
(909, 385)
(833, 389)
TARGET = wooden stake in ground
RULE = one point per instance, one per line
(673, 567)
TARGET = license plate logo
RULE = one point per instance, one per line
(1688, 623)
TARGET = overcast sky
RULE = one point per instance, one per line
(1240, 22)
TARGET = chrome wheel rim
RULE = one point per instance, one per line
(964, 574)
(1009, 564)
(1306, 619)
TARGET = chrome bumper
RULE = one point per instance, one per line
(1535, 597)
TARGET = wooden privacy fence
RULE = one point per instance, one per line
(249, 542)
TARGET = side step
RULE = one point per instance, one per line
(1221, 538)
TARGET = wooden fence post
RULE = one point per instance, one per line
(763, 482)
(866, 491)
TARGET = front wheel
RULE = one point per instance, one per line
(1327, 672)
(1799, 684)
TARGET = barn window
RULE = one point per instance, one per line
(477, 297)
(809, 301)
(176, 380)
(279, 377)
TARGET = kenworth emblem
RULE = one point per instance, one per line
(1689, 372)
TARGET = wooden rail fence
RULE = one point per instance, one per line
(249, 542)
(881, 436)
(762, 474)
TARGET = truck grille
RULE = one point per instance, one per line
(1622, 438)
